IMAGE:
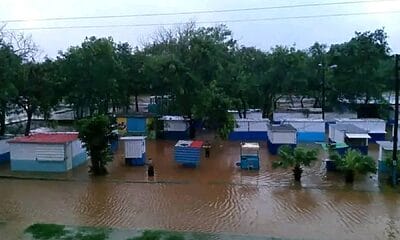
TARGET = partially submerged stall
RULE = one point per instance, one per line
(247, 129)
(375, 127)
(188, 153)
(175, 127)
(249, 156)
(280, 135)
(308, 130)
(47, 152)
(355, 137)
(385, 152)
(4, 149)
(135, 150)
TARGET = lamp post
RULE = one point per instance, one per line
(396, 121)
(323, 68)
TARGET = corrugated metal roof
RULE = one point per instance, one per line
(133, 138)
(359, 120)
(282, 128)
(47, 138)
(358, 135)
(304, 120)
(173, 118)
(348, 128)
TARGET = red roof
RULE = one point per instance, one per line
(46, 138)
(197, 144)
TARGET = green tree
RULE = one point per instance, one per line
(36, 90)
(94, 133)
(354, 163)
(296, 158)
(362, 67)
(90, 73)
(10, 69)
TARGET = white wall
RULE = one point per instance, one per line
(281, 116)
(176, 125)
(259, 125)
(4, 146)
(77, 147)
(44, 152)
(336, 135)
(134, 148)
(282, 137)
(241, 126)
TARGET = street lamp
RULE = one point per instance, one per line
(323, 67)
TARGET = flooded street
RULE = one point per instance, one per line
(215, 197)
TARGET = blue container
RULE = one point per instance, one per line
(377, 137)
(188, 153)
(136, 161)
(309, 137)
(250, 162)
(330, 165)
(5, 157)
(248, 136)
(136, 125)
(176, 135)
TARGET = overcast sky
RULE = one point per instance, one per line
(261, 34)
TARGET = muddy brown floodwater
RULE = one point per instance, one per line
(214, 197)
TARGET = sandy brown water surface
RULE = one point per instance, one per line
(214, 197)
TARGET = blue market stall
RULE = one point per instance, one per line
(175, 127)
(375, 127)
(250, 130)
(135, 150)
(385, 151)
(188, 153)
(249, 156)
(308, 130)
(355, 137)
(279, 135)
(4, 150)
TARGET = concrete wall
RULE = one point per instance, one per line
(175, 125)
(282, 137)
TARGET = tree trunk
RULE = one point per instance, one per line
(28, 122)
(136, 102)
(239, 112)
(97, 167)
(349, 176)
(301, 102)
(2, 118)
(244, 107)
(297, 171)
(316, 102)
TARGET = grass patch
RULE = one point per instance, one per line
(159, 235)
(46, 231)
(60, 232)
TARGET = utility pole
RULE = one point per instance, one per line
(323, 92)
(396, 122)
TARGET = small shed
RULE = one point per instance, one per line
(188, 153)
(308, 130)
(249, 156)
(4, 149)
(375, 127)
(247, 129)
(135, 124)
(175, 127)
(355, 137)
(279, 135)
(135, 150)
(47, 152)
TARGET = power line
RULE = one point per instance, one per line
(208, 22)
(196, 12)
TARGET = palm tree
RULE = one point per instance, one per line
(296, 158)
(355, 163)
